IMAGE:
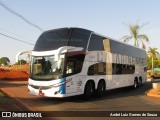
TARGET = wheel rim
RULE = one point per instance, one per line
(102, 87)
(135, 84)
(91, 90)
(140, 82)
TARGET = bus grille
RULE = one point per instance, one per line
(41, 87)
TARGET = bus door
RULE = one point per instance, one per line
(74, 64)
(70, 77)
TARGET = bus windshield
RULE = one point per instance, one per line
(54, 39)
(46, 68)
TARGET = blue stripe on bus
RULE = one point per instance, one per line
(62, 88)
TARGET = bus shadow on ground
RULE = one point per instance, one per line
(78, 103)
(110, 94)
(37, 101)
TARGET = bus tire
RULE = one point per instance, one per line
(140, 82)
(135, 85)
(88, 91)
(100, 89)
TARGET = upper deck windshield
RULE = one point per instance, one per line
(54, 39)
(46, 68)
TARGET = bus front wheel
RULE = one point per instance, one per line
(88, 91)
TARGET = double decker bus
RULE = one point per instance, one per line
(74, 61)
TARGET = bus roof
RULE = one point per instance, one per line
(78, 37)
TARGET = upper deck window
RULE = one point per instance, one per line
(52, 40)
(96, 43)
(79, 38)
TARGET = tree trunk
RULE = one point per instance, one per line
(135, 42)
(152, 65)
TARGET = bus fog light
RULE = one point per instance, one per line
(57, 92)
(41, 93)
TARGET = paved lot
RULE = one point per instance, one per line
(124, 99)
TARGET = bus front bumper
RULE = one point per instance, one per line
(52, 92)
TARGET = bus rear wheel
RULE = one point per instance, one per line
(140, 83)
(135, 86)
(88, 91)
(100, 89)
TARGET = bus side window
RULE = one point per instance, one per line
(101, 68)
(78, 66)
(70, 67)
(92, 69)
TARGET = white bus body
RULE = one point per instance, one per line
(73, 61)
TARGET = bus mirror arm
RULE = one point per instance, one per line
(56, 57)
(59, 51)
(65, 49)
(21, 53)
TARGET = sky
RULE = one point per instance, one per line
(106, 17)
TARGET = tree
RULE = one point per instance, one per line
(157, 63)
(153, 52)
(149, 63)
(21, 62)
(4, 61)
(134, 34)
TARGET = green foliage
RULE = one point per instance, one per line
(21, 62)
(153, 51)
(157, 64)
(4, 61)
(134, 34)
(149, 63)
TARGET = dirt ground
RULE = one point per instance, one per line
(7, 104)
(15, 72)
